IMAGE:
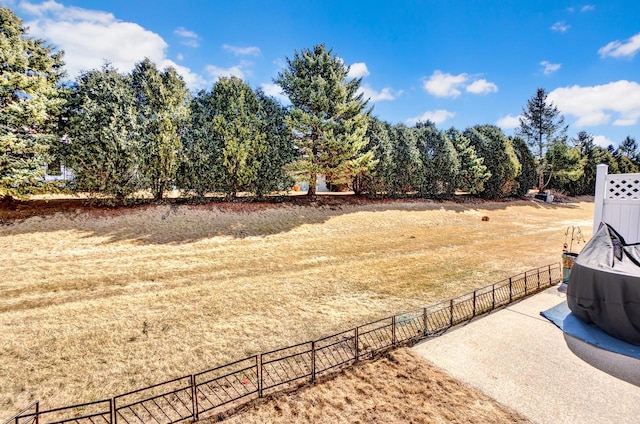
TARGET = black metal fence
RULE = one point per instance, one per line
(236, 383)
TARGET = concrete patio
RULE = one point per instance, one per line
(525, 362)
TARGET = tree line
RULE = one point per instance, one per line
(121, 133)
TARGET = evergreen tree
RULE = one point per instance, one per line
(629, 147)
(239, 135)
(327, 116)
(279, 150)
(528, 176)
(162, 110)
(439, 161)
(30, 99)
(105, 133)
(200, 149)
(626, 165)
(628, 155)
(591, 156)
(566, 167)
(237, 140)
(408, 169)
(499, 158)
(541, 126)
(473, 173)
(378, 180)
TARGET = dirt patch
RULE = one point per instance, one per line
(401, 387)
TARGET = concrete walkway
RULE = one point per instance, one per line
(523, 361)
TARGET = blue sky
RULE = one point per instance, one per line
(458, 63)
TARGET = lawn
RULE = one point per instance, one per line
(94, 303)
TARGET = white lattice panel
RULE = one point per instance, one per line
(623, 187)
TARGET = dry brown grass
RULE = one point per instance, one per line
(399, 388)
(96, 304)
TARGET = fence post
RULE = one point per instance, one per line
(260, 376)
(37, 412)
(493, 296)
(549, 273)
(451, 313)
(474, 303)
(111, 411)
(357, 344)
(115, 411)
(194, 401)
(425, 319)
(510, 289)
(313, 361)
(393, 330)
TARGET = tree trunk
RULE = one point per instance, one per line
(312, 184)
(541, 181)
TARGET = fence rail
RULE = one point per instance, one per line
(236, 383)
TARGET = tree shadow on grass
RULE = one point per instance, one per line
(176, 221)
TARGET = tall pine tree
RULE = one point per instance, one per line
(104, 134)
(162, 98)
(327, 116)
(30, 99)
(541, 126)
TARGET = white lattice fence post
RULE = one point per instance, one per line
(601, 189)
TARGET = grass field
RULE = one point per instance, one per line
(94, 304)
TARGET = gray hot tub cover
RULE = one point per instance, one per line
(604, 285)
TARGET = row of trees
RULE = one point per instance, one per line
(144, 130)
(129, 132)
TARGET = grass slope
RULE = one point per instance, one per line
(94, 304)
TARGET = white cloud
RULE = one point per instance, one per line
(89, 37)
(597, 104)
(435, 116)
(602, 141)
(190, 38)
(358, 70)
(274, 90)
(218, 72)
(560, 26)
(617, 48)
(441, 84)
(377, 96)
(625, 122)
(508, 122)
(445, 85)
(587, 8)
(482, 86)
(242, 51)
(549, 68)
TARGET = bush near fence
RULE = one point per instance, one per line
(216, 390)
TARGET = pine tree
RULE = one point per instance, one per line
(279, 150)
(629, 147)
(378, 181)
(239, 135)
(439, 161)
(327, 116)
(541, 126)
(198, 164)
(528, 176)
(162, 99)
(30, 99)
(408, 168)
(104, 134)
(473, 173)
(499, 158)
